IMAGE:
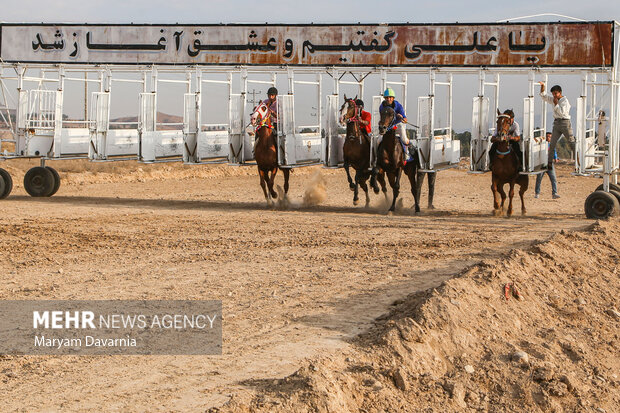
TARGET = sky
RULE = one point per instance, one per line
(513, 90)
(286, 11)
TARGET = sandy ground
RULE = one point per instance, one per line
(295, 283)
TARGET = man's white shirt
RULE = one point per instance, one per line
(561, 110)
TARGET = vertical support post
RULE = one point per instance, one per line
(544, 108)
(361, 87)
(319, 109)
(431, 133)
(404, 80)
(450, 105)
(244, 94)
(383, 80)
(334, 74)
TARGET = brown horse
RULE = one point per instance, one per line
(266, 155)
(391, 159)
(505, 170)
(356, 150)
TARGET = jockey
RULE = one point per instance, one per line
(365, 117)
(514, 135)
(271, 103)
(389, 100)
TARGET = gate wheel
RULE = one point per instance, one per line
(56, 180)
(6, 183)
(616, 194)
(39, 181)
(612, 187)
(601, 205)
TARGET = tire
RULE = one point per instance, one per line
(56, 180)
(601, 205)
(612, 187)
(616, 194)
(6, 183)
(39, 181)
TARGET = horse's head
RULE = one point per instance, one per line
(259, 114)
(348, 110)
(503, 125)
(386, 120)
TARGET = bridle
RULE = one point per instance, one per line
(354, 118)
(502, 134)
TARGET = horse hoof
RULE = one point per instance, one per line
(497, 212)
(524, 212)
(355, 202)
(431, 206)
(352, 187)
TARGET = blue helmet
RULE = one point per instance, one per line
(389, 92)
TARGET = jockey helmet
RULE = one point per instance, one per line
(272, 91)
(360, 103)
(389, 92)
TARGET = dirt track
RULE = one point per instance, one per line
(294, 283)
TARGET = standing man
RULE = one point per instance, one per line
(561, 119)
(550, 172)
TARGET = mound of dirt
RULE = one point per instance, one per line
(464, 346)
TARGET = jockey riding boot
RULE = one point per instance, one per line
(411, 149)
(254, 147)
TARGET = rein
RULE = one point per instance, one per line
(356, 117)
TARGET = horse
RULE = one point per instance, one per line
(356, 150)
(266, 153)
(505, 170)
(391, 159)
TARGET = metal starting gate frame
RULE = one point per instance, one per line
(40, 131)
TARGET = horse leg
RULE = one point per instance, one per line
(381, 180)
(523, 185)
(356, 198)
(365, 187)
(431, 189)
(511, 194)
(263, 185)
(373, 180)
(494, 188)
(413, 181)
(351, 184)
(418, 188)
(395, 184)
(271, 182)
(500, 189)
(287, 174)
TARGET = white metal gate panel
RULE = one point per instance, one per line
(202, 146)
(191, 126)
(147, 119)
(425, 132)
(147, 116)
(239, 142)
(479, 144)
(99, 125)
(582, 146)
(534, 147)
(41, 109)
(42, 122)
(286, 130)
(335, 140)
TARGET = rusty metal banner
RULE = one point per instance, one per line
(588, 44)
